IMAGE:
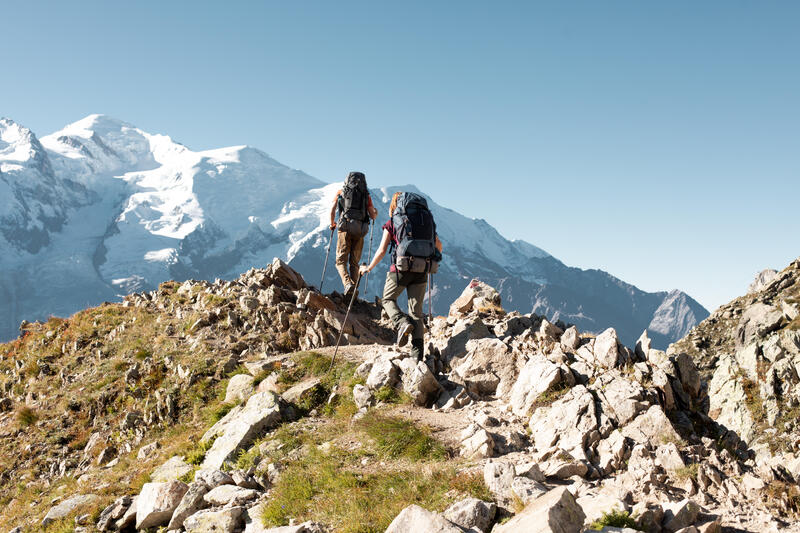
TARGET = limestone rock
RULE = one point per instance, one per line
(362, 396)
(571, 339)
(418, 381)
(471, 513)
(488, 369)
(157, 502)
(680, 515)
(477, 296)
(113, 512)
(568, 422)
(191, 502)
(225, 520)
(476, 443)
(240, 387)
(537, 376)
(690, 376)
(498, 477)
(643, 346)
(66, 507)
(173, 469)
(229, 495)
(555, 512)
(415, 518)
(301, 391)
(651, 428)
(382, 374)
(606, 349)
(147, 451)
(756, 321)
(261, 413)
(213, 478)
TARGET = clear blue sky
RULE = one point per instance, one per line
(659, 141)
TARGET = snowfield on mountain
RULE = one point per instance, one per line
(102, 208)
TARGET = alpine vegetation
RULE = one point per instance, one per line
(101, 208)
(216, 406)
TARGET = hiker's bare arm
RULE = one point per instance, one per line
(379, 253)
(333, 211)
(373, 213)
(438, 244)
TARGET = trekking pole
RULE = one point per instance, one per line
(430, 298)
(366, 278)
(344, 324)
(325, 267)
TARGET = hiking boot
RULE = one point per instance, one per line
(418, 349)
(404, 333)
(348, 289)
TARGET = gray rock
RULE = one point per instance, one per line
(526, 489)
(261, 413)
(362, 396)
(488, 369)
(498, 477)
(301, 391)
(476, 296)
(215, 521)
(66, 507)
(471, 513)
(240, 387)
(568, 422)
(537, 376)
(382, 374)
(651, 428)
(606, 349)
(756, 321)
(643, 346)
(571, 339)
(476, 443)
(230, 495)
(191, 502)
(762, 279)
(174, 468)
(680, 515)
(418, 381)
(113, 512)
(555, 512)
(148, 451)
(157, 502)
(213, 478)
(415, 518)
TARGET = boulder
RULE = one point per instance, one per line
(113, 512)
(756, 321)
(382, 374)
(471, 513)
(302, 391)
(476, 443)
(527, 489)
(415, 518)
(157, 502)
(418, 381)
(213, 478)
(571, 339)
(148, 451)
(215, 521)
(643, 346)
(606, 349)
(261, 413)
(229, 495)
(537, 376)
(762, 279)
(728, 401)
(569, 422)
(452, 343)
(191, 502)
(679, 515)
(173, 469)
(477, 296)
(651, 428)
(669, 458)
(362, 396)
(488, 369)
(284, 276)
(240, 387)
(554, 512)
(622, 400)
(66, 507)
(498, 477)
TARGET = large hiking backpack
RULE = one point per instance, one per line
(354, 218)
(415, 230)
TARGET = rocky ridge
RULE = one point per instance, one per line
(555, 430)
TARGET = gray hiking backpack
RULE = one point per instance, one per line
(353, 202)
(415, 230)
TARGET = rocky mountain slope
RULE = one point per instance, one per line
(102, 208)
(749, 350)
(189, 408)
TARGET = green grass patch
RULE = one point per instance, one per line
(615, 519)
(551, 395)
(322, 487)
(397, 437)
(687, 472)
(197, 453)
(391, 395)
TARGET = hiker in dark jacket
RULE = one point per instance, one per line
(355, 211)
(400, 278)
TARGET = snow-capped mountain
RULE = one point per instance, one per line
(102, 208)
